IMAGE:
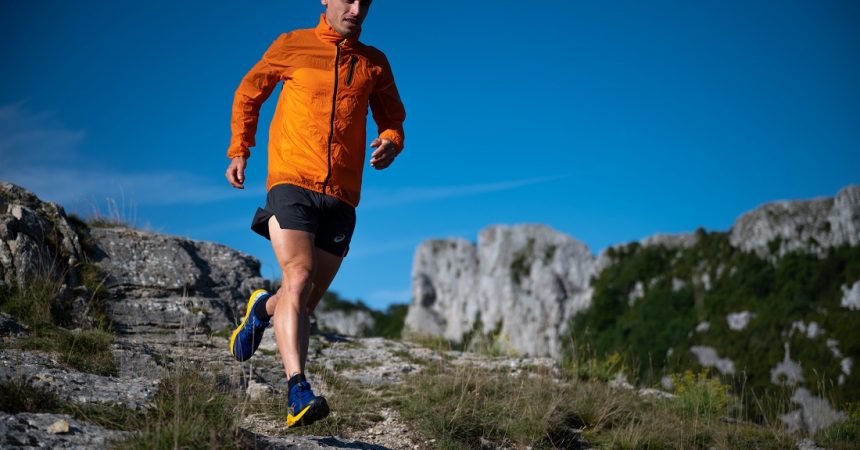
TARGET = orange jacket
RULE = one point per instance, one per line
(317, 138)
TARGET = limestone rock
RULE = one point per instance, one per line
(42, 372)
(159, 265)
(168, 282)
(708, 357)
(26, 430)
(671, 241)
(35, 237)
(814, 414)
(739, 320)
(519, 284)
(851, 297)
(444, 285)
(347, 323)
(11, 327)
(59, 427)
(812, 226)
(136, 315)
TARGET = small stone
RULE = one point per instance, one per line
(59, 427)
(258, 391)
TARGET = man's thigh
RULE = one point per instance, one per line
(293, 248)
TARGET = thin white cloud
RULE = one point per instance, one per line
(375, 198)
(27, 138)
(43, 155)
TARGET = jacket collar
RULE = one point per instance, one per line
(327, 34)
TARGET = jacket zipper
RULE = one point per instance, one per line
(352, 62)
(333, 109)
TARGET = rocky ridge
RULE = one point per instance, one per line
(519, 284)
(525, 282)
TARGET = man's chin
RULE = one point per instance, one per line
(349, 31)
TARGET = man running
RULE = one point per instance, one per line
(316, 156)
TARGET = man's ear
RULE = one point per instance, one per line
(324, 2)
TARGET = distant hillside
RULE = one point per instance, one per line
(772, 304)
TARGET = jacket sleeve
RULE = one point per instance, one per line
(388, 110)
(253, 90)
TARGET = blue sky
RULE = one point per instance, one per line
(609, 121)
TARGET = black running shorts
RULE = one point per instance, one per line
(329, 219)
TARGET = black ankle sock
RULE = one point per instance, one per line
(294, 380)
(260, 310)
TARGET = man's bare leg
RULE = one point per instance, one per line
(307, 273)
(327, 266)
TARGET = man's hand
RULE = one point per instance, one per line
(236, 172)
(384, 154)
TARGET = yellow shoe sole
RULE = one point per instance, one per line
(316, 410)
(251, 300)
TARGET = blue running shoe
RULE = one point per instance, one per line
(305, 407)
(246, 338)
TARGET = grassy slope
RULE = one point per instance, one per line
(797, 288)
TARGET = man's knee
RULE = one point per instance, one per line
(297, 279)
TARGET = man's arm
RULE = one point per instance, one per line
(253, 90)
(389, 114)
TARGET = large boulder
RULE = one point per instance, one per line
(159, 281)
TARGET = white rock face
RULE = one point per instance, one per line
(738, 321)
(812, 331)
(851, 297)
(353, 323)
(812, 226)
(671, 241)
(636, 293)
(708, 357)
(814, 414)
(444, 288)
(524, 282)
(788, 372)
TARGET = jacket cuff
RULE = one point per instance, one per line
(238, 150)
(395, 137)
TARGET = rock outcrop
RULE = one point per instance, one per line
(168, 282)
(26, 430)
(35, 238)
(347, 323)
(519, 285)
(812, 226)
(523, 283)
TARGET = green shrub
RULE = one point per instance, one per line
(700, 394)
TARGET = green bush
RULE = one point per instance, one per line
(700, 394)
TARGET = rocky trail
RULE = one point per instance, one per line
(171, 303)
